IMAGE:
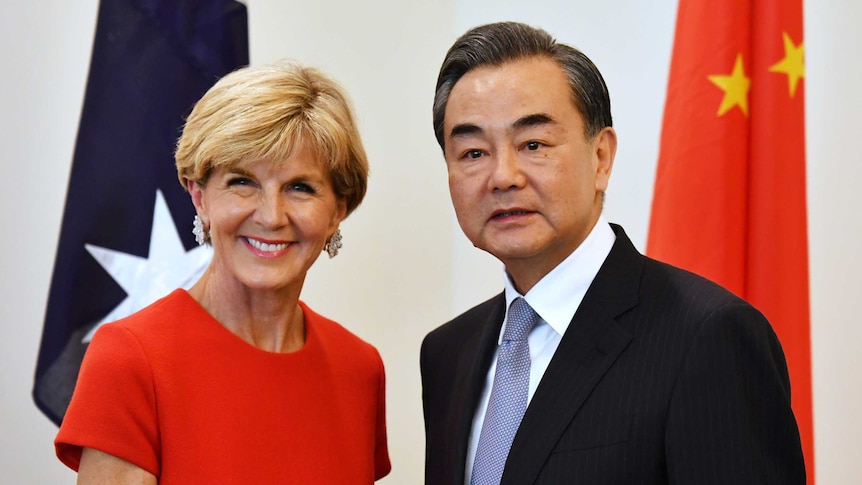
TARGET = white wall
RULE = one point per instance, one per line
(406, 267)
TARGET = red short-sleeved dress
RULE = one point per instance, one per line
(172, 391)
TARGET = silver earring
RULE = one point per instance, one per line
(198, 231)
(334, 244)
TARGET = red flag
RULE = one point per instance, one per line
(729, 199)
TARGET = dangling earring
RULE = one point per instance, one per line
(201, 235)
(334, 244)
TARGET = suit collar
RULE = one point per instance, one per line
(475, 358)
(557, 296)
(587, 350)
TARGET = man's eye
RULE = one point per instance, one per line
(474, 154)
(532, 145)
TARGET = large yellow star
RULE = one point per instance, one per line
(735, 88)
(793, 63)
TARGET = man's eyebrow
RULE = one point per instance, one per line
(533, 120)
(464, 129)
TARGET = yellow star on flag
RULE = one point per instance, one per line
(735, 87)
(793, 63)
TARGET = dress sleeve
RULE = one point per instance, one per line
(113, 407)
(382, 466)
(730, 419)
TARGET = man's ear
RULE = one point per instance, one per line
(606, 149)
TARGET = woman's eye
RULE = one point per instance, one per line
(302, 187)
(238, 181)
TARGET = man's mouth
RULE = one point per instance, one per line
(500, 215)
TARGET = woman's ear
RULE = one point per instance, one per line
(196, 191)
(341, 209)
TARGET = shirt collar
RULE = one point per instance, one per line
(557, 296)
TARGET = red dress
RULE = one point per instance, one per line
(172, 391)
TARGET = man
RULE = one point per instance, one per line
(626, 370)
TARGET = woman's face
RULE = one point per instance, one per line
(268, 219)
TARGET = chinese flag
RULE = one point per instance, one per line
(729, 199)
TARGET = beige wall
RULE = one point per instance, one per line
(406, 267)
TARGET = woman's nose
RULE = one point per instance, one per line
(272, 210)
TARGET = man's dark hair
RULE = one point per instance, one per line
(498, 43)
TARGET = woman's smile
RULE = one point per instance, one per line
(266, 249)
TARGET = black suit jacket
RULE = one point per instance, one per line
(662, 377)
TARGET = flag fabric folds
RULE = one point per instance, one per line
(126, 235)
(729, 199)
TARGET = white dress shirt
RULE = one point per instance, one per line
(555, 298)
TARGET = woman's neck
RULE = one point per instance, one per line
(270, 320)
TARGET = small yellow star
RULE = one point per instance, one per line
(735, 87)
(793, 63)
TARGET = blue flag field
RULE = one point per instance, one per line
(126, 239)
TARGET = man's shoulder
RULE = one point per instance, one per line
(482, 310)
(659, 281)
(682, 289)
(469, 322)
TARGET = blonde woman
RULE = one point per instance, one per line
(236, 380)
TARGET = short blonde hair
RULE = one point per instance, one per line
(269, 112)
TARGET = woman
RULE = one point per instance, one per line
(236, 380)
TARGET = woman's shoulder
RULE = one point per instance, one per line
(164, 314)
(333, 334)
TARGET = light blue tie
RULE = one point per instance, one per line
(508, 399)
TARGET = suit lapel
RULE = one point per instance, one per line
(587, 350)
(474, 357)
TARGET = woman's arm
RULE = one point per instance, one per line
(99, 468)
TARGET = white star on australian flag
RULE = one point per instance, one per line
(168, 266)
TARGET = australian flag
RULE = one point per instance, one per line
(126, 235)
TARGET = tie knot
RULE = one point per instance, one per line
(522, 318)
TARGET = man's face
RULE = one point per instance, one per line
(525, 182)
